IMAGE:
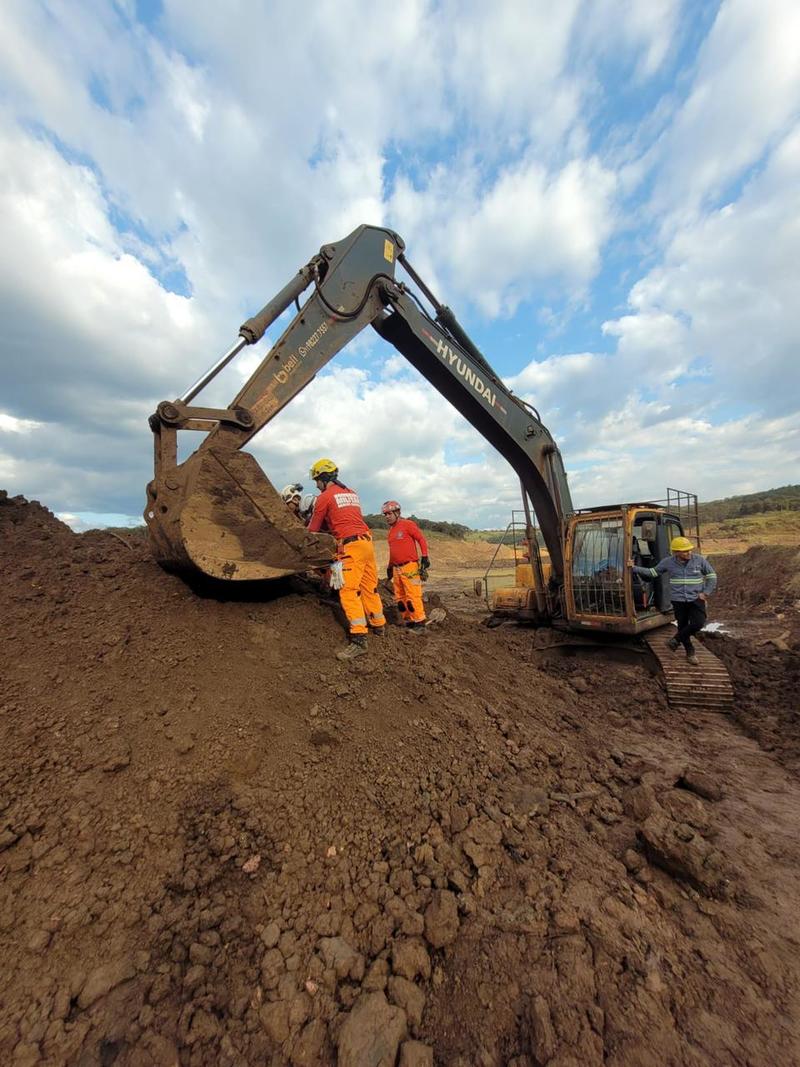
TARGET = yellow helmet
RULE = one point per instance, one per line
(323, 466)
(680, 544)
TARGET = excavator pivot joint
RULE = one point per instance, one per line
(244, 417)
(168, 412)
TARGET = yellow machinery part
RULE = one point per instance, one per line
(524, 575)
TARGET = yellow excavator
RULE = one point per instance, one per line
(218, 513)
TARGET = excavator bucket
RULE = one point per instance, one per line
(218, 513)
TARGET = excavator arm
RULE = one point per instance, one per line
(219, 513)
(467, 381)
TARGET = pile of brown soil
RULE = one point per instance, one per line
(764, 580)
(766, 681)
(758, 601)
(221, 846)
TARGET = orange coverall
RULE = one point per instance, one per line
(403, 539)
(338, 509)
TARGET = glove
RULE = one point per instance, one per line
(389, 572)
(424, 567)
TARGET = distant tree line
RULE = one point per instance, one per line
(498, 537)
(449, 529)
(785, 498)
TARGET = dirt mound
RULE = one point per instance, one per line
(28, 521)
(764, 579)
(759, 604)
(766, 679)
(220, 846)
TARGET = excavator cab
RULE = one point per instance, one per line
(599, 593)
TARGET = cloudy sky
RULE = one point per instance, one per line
(607, 192)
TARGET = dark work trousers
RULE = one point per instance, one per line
(690, 617)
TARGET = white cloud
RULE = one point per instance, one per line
(91, 520)
(86, 322)
(683, 453)
(646, 31)
(726, 296)
(494, 244)
(745, 95)
(8, 424)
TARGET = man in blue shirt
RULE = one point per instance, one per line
(691, 581)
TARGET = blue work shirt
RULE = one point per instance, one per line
(686, 580)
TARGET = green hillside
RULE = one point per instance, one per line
(785, 498)
(448, 529)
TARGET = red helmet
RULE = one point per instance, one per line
(390, 505)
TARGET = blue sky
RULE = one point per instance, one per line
(607, 192)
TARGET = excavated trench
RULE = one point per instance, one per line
(219, 845)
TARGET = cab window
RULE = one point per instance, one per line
(598, 567)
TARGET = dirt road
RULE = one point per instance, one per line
(218, 845)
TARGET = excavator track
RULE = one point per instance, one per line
(708, 685)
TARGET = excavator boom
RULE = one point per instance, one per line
(219, 513)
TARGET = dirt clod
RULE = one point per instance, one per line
(372, 1032)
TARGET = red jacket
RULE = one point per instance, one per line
(404, 537)
(338, 509)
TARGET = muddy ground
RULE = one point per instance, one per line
(219, 845)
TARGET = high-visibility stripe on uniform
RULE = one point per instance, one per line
(407, 587)
(687, 579)
(359, 595)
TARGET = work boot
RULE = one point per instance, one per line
(378, 631)
(674, 644)
(357, 647)
(691, 657)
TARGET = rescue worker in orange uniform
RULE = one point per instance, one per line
(338, 510)
(406, 571)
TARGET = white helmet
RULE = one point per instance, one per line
(291, 492)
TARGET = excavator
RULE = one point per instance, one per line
(218, 513)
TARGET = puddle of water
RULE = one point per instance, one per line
(749, 629)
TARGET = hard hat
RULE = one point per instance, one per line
(291, 492)
(390, 505)
(323, 466)
(680, 544)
